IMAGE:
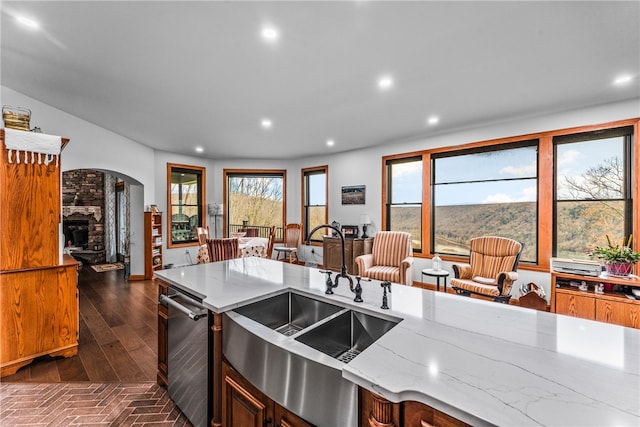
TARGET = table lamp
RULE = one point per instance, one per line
(364, 220)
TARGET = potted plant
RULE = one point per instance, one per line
(618, 259)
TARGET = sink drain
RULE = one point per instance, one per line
(348, 355)
(288, 329)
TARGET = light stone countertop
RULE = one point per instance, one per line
(482, 362)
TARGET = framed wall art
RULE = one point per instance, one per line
(353, 195)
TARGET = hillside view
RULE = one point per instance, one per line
(579, 223)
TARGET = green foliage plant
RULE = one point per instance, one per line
(615, 253)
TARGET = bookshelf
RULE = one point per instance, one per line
(153, 243)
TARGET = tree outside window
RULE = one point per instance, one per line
(592, 191)
(255, 199)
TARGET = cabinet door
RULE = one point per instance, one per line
(332, 254)
(242, 404)
(29, 213)
(574, 305)
(286, 418)
(420, 415)
(163, 343)
(619, 313)
(39, 314)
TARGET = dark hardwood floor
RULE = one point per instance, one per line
(118, 334)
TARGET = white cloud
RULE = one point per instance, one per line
(568, 157)
(498, 198)
(408, 168)
(522, 170)
(528, 194)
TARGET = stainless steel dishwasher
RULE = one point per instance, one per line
(188, 353)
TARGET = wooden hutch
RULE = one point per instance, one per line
(38, 286)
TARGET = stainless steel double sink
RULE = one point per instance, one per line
(339, 332)
(281, 343)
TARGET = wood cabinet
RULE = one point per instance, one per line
(152, 243)
(163, 337)
(377, 411)
(243, 405)
(611, 307)
(38, 287)
(353, 248)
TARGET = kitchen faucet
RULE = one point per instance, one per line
(343, 270)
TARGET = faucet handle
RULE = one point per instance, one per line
(328, 283)
(385, 286)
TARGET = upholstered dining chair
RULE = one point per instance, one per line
(271, 241)
(292, 234)
(203, 250)
(390, 259)
(491, 270)
(223, 249)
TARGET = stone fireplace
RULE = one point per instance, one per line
(83, 213)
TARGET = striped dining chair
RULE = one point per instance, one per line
(223, 249)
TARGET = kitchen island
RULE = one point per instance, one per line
(477, 362)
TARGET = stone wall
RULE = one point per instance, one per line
(83, 199)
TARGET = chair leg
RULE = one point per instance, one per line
(503, 299)
(462, 292)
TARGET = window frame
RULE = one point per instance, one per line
(388, 199)
(529, 143)
(198, 170)
(226, 173)
(305, 174)
(627, 132)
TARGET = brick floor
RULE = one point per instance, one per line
(88, 404)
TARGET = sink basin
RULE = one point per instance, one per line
(289, 312)
(346, 335)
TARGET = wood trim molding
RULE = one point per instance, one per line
(203, 202)
(303, 171)
(225, 202)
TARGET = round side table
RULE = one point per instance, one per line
(437, 274)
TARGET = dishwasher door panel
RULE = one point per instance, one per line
(188, 342)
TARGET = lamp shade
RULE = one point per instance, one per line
(364, 219)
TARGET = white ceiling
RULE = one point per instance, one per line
(175, 75)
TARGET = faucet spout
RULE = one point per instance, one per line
(343, 269)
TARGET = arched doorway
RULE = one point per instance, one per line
(102, 209)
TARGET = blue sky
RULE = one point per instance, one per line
(573, 160)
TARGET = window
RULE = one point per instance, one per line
(314, 196)
(255, 198)
(185, 200)
(592, 190)
(485, 191)
(404, 198)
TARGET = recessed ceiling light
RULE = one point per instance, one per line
(266, 123)
(330, 143)
(433, 120)
(623, 79)
(199, 150)
(270, 34)
(28, 22)
(385, 82)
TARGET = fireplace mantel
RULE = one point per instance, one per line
(96, 211)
